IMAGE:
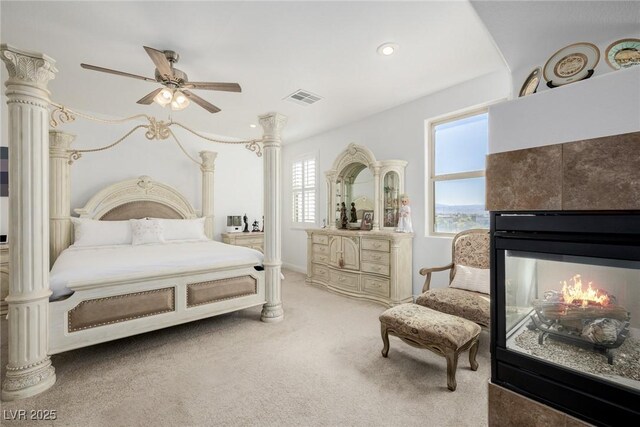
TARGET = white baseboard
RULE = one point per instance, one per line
(295, 268)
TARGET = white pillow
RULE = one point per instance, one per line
(471, 279)
(183, 229)
(145, 231)
(91, 232)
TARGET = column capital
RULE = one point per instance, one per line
(27, 68)
(272, 124)
(208, 160)
(60, 142)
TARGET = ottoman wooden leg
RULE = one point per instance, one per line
(452, 365)
(472, 355)
(385, 340)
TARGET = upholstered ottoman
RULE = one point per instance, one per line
(442, 333)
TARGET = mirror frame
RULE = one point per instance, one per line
(360, 154)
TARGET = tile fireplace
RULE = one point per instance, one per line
(565, 325)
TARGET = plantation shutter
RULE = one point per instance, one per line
(303, 179)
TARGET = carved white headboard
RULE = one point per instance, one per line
(137, 198)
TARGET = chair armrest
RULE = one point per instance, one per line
(427, 272)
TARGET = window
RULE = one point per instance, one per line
(303, 186)
(458, 146)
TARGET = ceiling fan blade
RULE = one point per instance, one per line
(201, 102)
(228, 87)
(148, 99)
(119, 73)
(160, 61)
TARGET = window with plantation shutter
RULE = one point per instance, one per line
(303, 187)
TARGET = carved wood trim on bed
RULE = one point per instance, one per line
(220, 290)
(143, 189)
(120, 308)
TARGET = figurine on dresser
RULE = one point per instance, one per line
(404, 221)
(344, 220)
(354, 215)
(246, 223)
(255, 227)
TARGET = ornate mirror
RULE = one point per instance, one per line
(363, 183)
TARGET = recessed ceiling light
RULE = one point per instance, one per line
(252, 125)
(387, 49)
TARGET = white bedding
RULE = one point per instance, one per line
(86, 264)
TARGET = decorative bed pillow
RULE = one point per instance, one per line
(92, 232)
(471, 279)
(145, 231)
(183, 229)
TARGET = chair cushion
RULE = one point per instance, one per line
(469, 305)
(426, 325)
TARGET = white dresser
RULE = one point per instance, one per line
(372, 265)
(253, 239)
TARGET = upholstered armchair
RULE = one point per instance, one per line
(467, 295)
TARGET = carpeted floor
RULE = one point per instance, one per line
(321, 366)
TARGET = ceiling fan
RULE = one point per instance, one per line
(176, 90)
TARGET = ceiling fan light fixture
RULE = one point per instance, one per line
(164, 97)
(179, 101)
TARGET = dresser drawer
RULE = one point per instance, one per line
(375, 257)
(321, 249)
(320, 272)
(375, 286)
(347, 281)
(250, 241)
(370, 267)
(321, 239)
(375, 244)
(320, 258)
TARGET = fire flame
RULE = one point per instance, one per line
(571, 293)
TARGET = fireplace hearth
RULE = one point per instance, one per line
(565, 326)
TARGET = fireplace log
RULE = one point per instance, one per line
(562, 311)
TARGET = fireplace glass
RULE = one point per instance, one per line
(581, 313)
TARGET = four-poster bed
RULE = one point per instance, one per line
(109, 292)
(107, 307)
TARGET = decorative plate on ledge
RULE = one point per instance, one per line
(623, 53)
(531, 84)
(571, 64)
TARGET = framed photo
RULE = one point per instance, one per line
(367, 220)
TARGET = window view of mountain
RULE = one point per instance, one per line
(455, 218)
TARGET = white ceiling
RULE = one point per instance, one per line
(528, 33)
(270, 48)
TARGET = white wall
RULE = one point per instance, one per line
(238, 177)
(398, 133)
(608, 104)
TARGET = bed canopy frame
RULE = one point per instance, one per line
(40, 161)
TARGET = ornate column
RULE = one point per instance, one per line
(59, 193)
(272, 124)
(208, 167)
(29, 369)
(378, 203)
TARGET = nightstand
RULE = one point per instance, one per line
(253, 240)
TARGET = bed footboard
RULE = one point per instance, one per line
(107, 310)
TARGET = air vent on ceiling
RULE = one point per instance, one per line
(303, 97)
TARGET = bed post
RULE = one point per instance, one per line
(272, 123)
(207, 167)
(59, 193)
(29, 369)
